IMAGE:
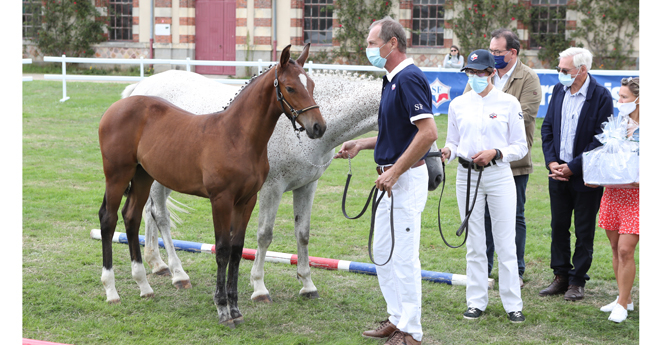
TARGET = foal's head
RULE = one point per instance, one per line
(298, 92)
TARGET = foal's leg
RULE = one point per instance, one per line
(115, 184)
(269, 201)
(303, 198)
(222, 213)
(158, 220)
(132, 213)
(240, 220)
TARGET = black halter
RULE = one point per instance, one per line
(294, 113)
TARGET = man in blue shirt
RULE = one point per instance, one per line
(406, 131)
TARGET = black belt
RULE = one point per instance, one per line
(471, 165)
(381, 169)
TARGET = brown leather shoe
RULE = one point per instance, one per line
(384, 330)
(574, 293)
(402, 338)
(558, 286)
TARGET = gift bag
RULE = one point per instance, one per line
(616, 163)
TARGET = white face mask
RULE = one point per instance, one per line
(627, 108)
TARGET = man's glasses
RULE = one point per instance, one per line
(472, 73)
(498, 52)
(564, 70)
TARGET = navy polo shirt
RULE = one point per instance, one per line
(406, 98)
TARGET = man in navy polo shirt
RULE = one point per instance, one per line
(406, 131)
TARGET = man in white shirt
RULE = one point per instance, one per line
(486, 132)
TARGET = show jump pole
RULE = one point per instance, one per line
(292, 259)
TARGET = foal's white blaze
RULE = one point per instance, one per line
(108, 280)
(140, 277)
(303, 80)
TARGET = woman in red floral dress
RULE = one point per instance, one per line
(619, 213)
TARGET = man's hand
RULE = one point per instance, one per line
(556, 172)
(386, 181)
(348, 148)
(484, 157)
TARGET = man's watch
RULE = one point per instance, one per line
(498, 154)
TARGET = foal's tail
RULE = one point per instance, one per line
(128, 90)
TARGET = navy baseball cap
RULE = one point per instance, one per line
(479, 59)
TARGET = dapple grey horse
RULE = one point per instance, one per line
(350, 106)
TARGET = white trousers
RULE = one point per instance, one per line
(498, 187)
(400, 279)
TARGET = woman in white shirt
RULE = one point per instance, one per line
(486, 131)
(454, 59)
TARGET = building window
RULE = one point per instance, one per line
(318, 22)
(548, 21)
(121, 20)
(31, 18)
(428, 23)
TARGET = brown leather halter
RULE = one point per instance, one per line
(294, 113)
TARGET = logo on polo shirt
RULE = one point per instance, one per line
(393, 87)
(520, 115)
(440, 92)
(473, 57)
(493, 116)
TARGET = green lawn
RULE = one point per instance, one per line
(63, 299)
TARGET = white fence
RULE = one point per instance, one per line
(260, 64)
(26, 62)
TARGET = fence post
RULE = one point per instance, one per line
(64, 97)
(142, 67)
(188, 64)
(309, 67)
(259, 67)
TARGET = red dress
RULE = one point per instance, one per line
(619, 210)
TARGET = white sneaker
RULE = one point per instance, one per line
(618, 314)
(608, 308)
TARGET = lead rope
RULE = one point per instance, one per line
(374, 207)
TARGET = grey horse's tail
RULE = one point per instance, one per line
(128, 90)
(175, 207)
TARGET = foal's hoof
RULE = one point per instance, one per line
(148, 295)
(310, 295)
(114, 301)
(263, 298)
(229, 323)
(239, 320)
(164, 272)
(182, 284)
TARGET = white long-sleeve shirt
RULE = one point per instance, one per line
(453, 62)
(478, 123)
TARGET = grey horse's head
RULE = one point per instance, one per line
(434, 167)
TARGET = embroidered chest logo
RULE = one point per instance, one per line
(473, 57)
(493, 116)
(393, 87)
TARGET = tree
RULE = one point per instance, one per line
(609, 29)
(354, 18)
(474, 20)
(69, 27)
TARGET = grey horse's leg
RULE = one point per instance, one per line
(303, 198)
(157, 219)
(269, 201)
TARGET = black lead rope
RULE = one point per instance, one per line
(468, 209)
(374, 207)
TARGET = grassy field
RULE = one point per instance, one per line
(63, 299)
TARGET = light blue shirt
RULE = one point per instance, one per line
(570, 114)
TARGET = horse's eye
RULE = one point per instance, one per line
(289, 90)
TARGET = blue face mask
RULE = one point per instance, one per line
(499, 61)
(566, 79)
(373, 54)
(478, 84)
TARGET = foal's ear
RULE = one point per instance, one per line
(303, 57)
(284, 58)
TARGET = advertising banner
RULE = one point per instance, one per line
(449, 84)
